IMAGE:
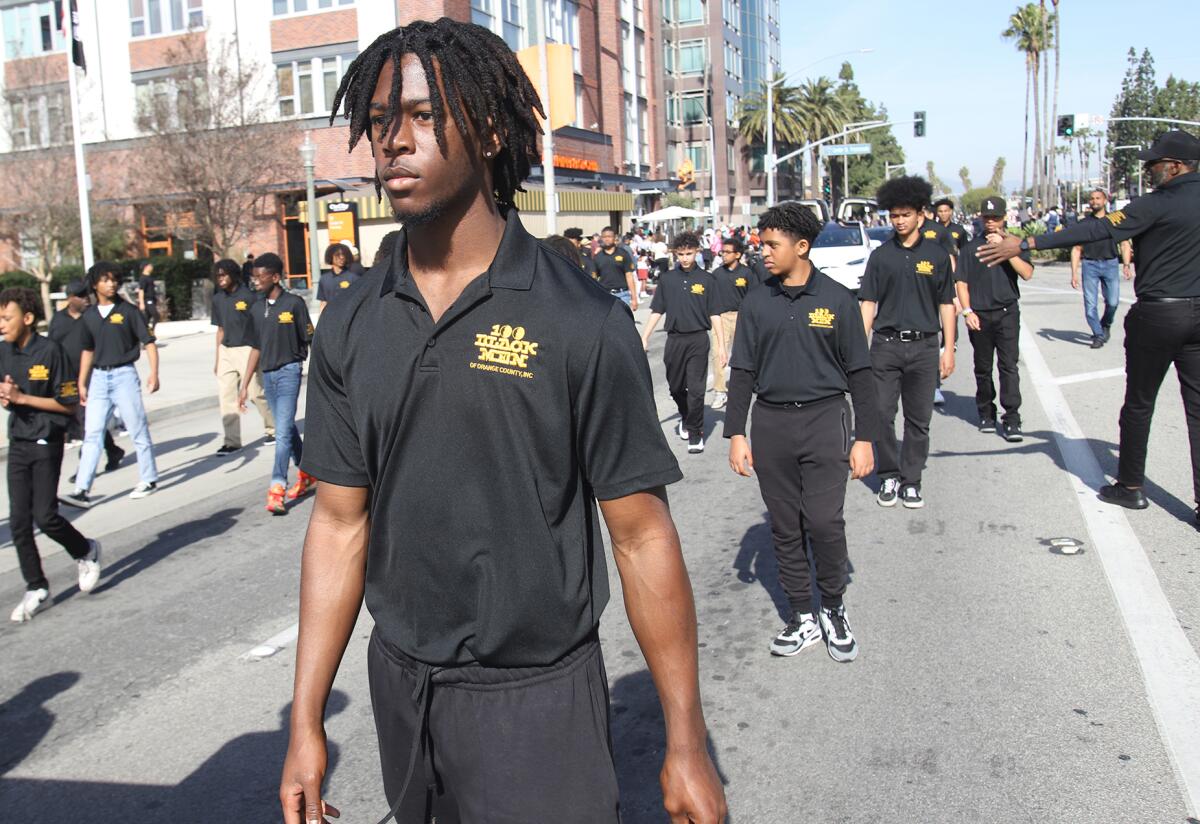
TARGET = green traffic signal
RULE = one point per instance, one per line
(918, 124)
(1066, 125)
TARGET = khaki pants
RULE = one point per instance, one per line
(231, 366)
(729, 326)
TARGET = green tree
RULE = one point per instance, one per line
(1177, 100)
(996, 181)
(964, 174)
(939, 186)
(1136, 99)
(1028, 29)
(789, 125)
(865, 173)
(824, 112)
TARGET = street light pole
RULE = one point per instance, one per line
(308, 154)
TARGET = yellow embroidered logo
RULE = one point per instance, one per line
(924, 267)
(240, 306)
(821, 318)
(505, 350)
(740, 282)
(285, 317)
(930, 234)
(954, 235)
(69, 389)
(619, 258)
(697, 288)
(308, 330)
(38, 372)
(117, 318)
(1116, 218)
(343, 284)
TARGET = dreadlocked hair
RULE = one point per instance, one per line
(486, 91)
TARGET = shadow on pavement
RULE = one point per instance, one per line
(639, 743)
(755, 562)
(239, 782)
(1066, 336)
(25, 720)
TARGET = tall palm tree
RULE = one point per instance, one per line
(964, 174)
(1057, 66)
(823, 112)
(1026, 27)
(789, 126)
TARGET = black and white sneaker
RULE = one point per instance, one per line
(226, 451)
(1012, 432)
(681, 432)
(910, 496)
(801, 632)
(696, 443)
(269, 439)
(79, 499)
(888, 491)
(839, 639)
(987, 425)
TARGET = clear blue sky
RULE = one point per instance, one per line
(949, 60)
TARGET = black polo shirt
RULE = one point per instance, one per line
(589, 265)
(933, 230)
(1103, 249)
(67, 332)
(732, 285)
(990, 287)
(485, 440)
(800, 343)
(116, 339)
(331, 285)
(688, 299)
(908, 285)
(39, 369)
(958, 235)
(234, 313)
(1165, 229)
(282, 330)
(149, 288)
(611, 267)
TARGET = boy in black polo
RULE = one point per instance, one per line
(114, 333)
(943, 212)
(907, 297)
(463, 426)
(233, 315)
(800, 348)
(687, 295)
(989, 298)
(279, 346)
(40, 394)
(616, 268)
(732, 280)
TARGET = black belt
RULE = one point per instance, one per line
(800, 404)
(1168, 300)
(1101, 260)
(905, 335)
(110, 368)
(618, 291)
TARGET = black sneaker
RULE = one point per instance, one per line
(839, 639)
(987, 425)
(1097, 341)
(1105, 331)
(225, 451)
(269, 439)
(695, 443)
(1122, 495)
(800, 633)
(1012, 432)
(888, 491)
(78, 499)
(910, 496)
(114, 460)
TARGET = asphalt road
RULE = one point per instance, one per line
(998, 681)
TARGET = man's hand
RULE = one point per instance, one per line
(999, 250)
(1127, 271)
(633, 303)
(1074, 280)
(241, 400)
(947, 363)
(645, 344)
(152, 383)
(691, 788)
(972, 321)
(83, 393)
(10, 393)
(862, 459)
(300, 786)
(741, 459)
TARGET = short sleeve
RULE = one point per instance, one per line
(256, 326)
(962, 271)
(323, 287)
(868, 289)
(658, 303)
(713, 300)
(852, 345)
(621, 444)
(331, 447)
(86, 339)
(946, 282)
(63, 385)
(745, 339)
(137, 325)
(216, 319)
(305, 328)
(630, 262)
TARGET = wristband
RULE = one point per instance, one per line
(1024, 244)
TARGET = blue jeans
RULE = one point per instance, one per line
(623, 295)
(1101, 276)
(282, 388)
(121, 388)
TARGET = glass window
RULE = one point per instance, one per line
(295, 6)
(307, 87)
(691, 58)
(159, 16)
(698, 154)
(163, 101)
(691, 11)
(686, 109)
(31, 29)
(483, 13)
(513, 30)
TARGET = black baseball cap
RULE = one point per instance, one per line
(993, 207)
(1174, 145)
(76, 289)
(574, 233)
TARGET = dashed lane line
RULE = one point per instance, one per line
(272, 645)
(1083, 377)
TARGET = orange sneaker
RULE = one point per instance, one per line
(303, 483)
(275, 500)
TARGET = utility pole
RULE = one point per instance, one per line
(548, 132)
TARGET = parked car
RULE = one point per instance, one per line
(857, 209)
(841, 251)
(880, 234)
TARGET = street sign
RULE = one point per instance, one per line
(845, 150)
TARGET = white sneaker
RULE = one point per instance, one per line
(30, 602)
(681, 432)
(719, 400)
(696, 444)
(799, 634)
(89, 568)
(938, 398)
(143, 489)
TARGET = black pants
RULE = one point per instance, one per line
(802, 457)
(476, 745)
(33, 499)
(686, 359)
(151, 314)
(904, 372)
(999, 330)
(1156, 336)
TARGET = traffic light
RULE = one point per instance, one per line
(918, 124)
(826, 189)
(1066, 125)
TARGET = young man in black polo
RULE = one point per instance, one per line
(232, 314)
(800, 348)
(278, 347)
(147, 295)
(616, 268)
(687, 295)
(114, 334)
(40, 393)
(989, 298)
(943, 212)
(575, 235)
(731, 280)
(463, 426)
(907, 298)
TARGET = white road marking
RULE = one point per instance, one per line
(1082, 377)
(1051, 290)
(1169, 664)
(272, 645)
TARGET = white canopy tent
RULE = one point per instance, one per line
(672, 213)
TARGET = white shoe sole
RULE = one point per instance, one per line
(139, 494)
(811, 641)
(20, 616)
(95, 546)
(886, 504)
(682, 433)
(842, 657)
(914, 504)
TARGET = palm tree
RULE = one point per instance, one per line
(996, 181)
(1026, 26)
(1057, 65)
(964, 174)
(789, 127)
(823, 112)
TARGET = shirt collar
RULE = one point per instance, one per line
(29, 347)
(775, 284)
(1190, 177)
(512, 268)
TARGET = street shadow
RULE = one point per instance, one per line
(25, 720)
(639, 743)
(1066, 336)
(756, 563)
(239, 782)
(956, 406)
